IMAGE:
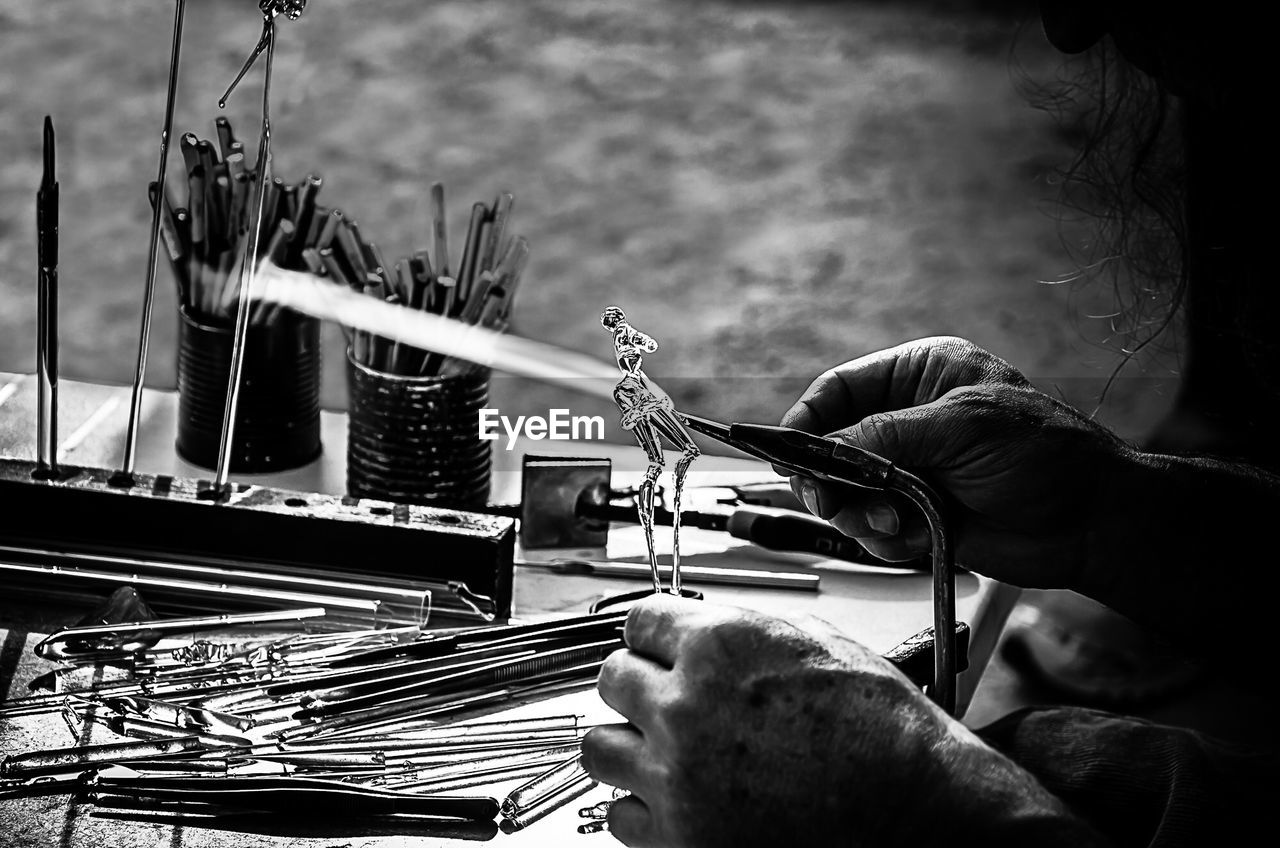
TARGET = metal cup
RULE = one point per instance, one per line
(416, 439)
(278, 416)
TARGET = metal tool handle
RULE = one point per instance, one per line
(914, 657)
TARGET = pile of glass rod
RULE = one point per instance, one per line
(384, 719)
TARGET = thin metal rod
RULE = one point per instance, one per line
(943, 690)
(391, 593)
(248, 266)
(153, 244)
(47, 309)
(187, 592)
(58, 645)
(244, 69)
(801, 580)
(553, 788)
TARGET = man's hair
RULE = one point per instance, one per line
(1128, 176)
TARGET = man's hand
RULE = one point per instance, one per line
(1023, 470)
(748, 730)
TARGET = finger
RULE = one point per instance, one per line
(655, 624)
(897, 550)
(870, 514)
(913, 542)
(614, 754)
(864, 513)
(887, 524)
(816, 496)
(631, 822)
(629, 684)
(897, 378)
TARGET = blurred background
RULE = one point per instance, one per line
(769, 188)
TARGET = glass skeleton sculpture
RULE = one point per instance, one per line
(648, 412)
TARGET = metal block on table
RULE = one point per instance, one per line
(161, 516)
(551, 501)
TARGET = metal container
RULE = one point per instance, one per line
(416, 439)
(278, 415)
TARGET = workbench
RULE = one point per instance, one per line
(878, 606)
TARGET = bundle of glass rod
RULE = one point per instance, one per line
(480, 293)
(371, 711)
(204, 239)
(212, 585)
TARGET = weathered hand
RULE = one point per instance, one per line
(747, 730)
(1023, 470)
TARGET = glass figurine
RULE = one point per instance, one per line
(648, 412)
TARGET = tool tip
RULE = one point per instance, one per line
(702, 425)
(707, 427)
(49, 166)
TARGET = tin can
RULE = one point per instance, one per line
(278, 413)
(416, 439)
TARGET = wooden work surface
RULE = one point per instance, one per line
(880, 607)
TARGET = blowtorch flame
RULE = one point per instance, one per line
(315, 296)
